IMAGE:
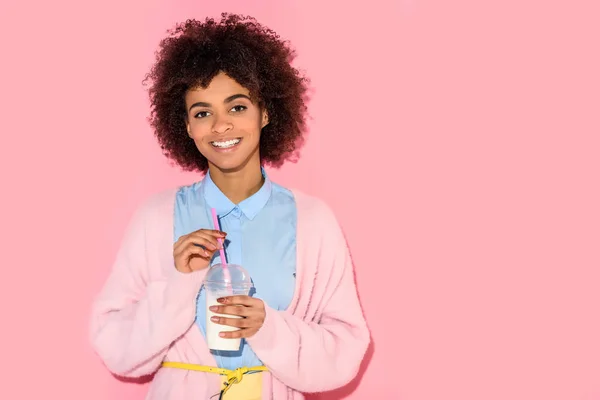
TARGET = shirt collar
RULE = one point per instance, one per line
(250, 206)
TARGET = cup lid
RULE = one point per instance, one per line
(228, 274)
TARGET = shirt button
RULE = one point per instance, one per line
(237, 212)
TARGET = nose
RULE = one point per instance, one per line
(222, 125)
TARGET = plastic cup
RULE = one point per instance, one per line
(221, 281)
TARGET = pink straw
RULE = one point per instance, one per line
(222, 249)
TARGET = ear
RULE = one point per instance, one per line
(188, 127)
(265, 119)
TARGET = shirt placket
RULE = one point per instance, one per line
(234, 234)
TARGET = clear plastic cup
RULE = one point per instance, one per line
(221, 281)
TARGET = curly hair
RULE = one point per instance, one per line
(195, 52)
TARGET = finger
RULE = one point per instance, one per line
(241, 311)
(241, 300)
(205, 234)
(201, 237)
(241, 333)
(213, 232)
(213, 239)
(235, 322)
(193, 250)
(210, 232)
(197, 242)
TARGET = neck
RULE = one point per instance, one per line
(238, 185)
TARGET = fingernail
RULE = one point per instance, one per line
(212, 308)
(221, 299)
(221, 334)
(214, 319)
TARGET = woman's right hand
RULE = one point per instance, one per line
(190, 256)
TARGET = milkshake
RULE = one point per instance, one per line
(222, 281)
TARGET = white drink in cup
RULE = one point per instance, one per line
(222, 281)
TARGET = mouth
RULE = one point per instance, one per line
(226, 144)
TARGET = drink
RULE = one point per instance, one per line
(221, 281)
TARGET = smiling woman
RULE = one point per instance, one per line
(256, 62)
(225, 102)
(226, 124)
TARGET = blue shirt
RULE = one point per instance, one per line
(261, 237)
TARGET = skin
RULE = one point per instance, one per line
(223, 111)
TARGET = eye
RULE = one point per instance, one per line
(202, 114)
(239, 108)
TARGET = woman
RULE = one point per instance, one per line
(225, 102)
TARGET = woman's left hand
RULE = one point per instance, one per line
(250, 309)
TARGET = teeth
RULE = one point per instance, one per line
(225, 144)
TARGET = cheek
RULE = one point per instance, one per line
(251, 127)
(198, 132)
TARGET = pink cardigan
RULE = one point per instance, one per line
(145, 312)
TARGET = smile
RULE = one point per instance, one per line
(226, 144)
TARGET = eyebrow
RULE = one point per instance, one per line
(227, 100)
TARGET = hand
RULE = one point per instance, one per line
(193, 252)
(251, 310)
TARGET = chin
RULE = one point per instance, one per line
(234, 161)
(229, 166)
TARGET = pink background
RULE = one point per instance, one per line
(457, 141)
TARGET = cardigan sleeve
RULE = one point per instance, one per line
(134, 320)
(325, 354)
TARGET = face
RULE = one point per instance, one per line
(225, 124)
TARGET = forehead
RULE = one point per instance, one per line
(222, 86)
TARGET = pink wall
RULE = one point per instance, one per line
(457, 140)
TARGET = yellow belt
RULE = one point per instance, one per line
(231, 376)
